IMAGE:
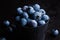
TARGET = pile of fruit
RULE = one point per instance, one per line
(32, 16)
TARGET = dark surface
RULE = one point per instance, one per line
(52, 7)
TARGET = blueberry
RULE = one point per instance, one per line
(31, 10)
(17, 18)
(25, 15)
(23, 21)
(41, 23)
(3, 38)
(33, 23)
(42, 11)
(55, 32)
(36, 7)
(19, 10)
(45, 17)
(25, 7)
(7, 23)
(37, 16)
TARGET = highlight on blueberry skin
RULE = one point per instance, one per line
(17, 18)
(55, 32)
(25, 15)
(45, 17)
(33, 23)
(25, 8)
(41, 22)
(23, 21)
(42, 11)
(19, 10)
(6, 22)
(36, 7)
(31, 10)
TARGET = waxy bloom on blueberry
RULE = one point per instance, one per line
(41, 22)
(55, 32)
(36, 7)
(25, 15)
(45, 17)
(42, 11)
(23, 21)
(33, 23)
(31, 10)
(25, 7)
(7, 23)
(19, 10)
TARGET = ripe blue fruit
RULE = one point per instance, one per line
(25, 15)
(42, 11)
(36, 7)
(25, 7)
(45, 17)
(33, 23)
(37, 16)
(31, 10)
(19, 10)
(3, 38)
(55, 32)
(17, 18)
(23, 21)
(41, 22)
(7, 23)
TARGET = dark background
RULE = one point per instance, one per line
(52, 7)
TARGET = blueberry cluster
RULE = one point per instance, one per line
(32, 16)
(28, 16)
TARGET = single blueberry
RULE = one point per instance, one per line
(42, 11)
(17, 18)
(31, 10)
(36, 7)
(41, 23)
(25, 7)
(7, 23)
(19, 10)
(25, 15)
(23, 21)
(45, 17)
(33, 23)
(55, 32)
